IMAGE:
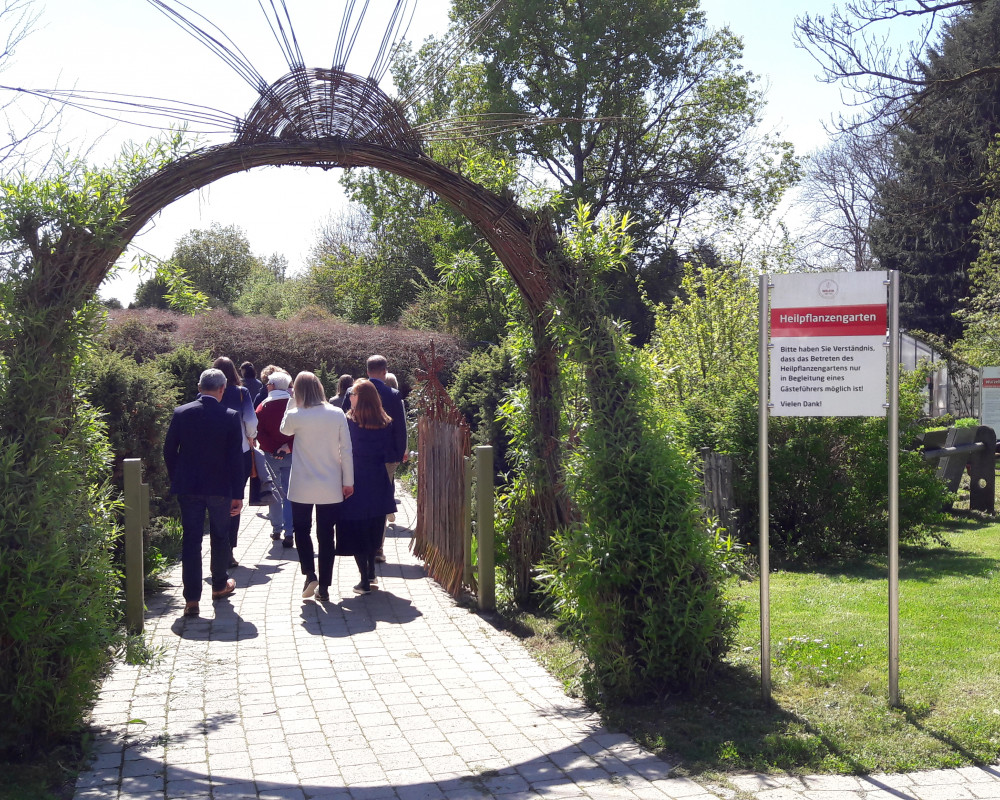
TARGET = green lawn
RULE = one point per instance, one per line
(829, 640)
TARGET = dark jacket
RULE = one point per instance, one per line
(254, 387)
(373, 491)
(203, 450)
(392, 403)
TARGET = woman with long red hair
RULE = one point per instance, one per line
(362, 515)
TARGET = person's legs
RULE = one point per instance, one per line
(285, 474)
(380, 550)
(193, 525)
(234, 522)
(302, 525)
(361, 559)
(218, 531)
(358, 533)
(275, 510)
(326, 520)
(376, 532)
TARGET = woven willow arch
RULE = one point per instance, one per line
(313, 104)
(326, 119)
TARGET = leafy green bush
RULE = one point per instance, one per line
(58, 589)
(828, 481)
(481, 384)
(184, 365)
(829, 485)
(635, 579)
(140, 340)
(57, 584)
(294, 345)
(137, 401)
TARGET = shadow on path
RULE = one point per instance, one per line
(225, 626)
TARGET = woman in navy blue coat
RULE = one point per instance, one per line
(362, 515)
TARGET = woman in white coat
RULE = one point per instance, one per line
(322, 476)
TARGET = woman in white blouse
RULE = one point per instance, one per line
(322, 476)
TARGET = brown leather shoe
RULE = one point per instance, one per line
(191, 608)
(230, 588)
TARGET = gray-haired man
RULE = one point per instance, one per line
(203, 451)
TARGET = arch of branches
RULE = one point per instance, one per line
(329, 118)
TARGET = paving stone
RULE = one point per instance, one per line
(941, 791)
(398, 695)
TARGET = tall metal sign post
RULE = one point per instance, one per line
(823, 343)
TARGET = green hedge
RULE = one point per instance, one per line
(829, 480)
(137, 401)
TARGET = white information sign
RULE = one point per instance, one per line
(989, 394)
(828, 335)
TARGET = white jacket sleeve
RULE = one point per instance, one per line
(249, 416)
(346, 453)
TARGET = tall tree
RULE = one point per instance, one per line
(653, 115)
(859, 46)
(18, 19)
(927, 205)
(980, 343)
(362, 269)
(218, 261)
(838, 191)
(443, 275)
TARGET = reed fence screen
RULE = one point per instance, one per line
(443, 442)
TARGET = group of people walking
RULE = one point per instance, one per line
(333, 458)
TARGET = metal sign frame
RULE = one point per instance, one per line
(892, 419)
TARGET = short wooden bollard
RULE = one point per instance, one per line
(136, 517)
(484, 527)
(467, 535)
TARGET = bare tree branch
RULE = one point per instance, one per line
(17, 21)
(838, 193)
(855, 47)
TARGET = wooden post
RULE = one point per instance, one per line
(467, 534)
(982, 472)
(136, 517)
(484, 527)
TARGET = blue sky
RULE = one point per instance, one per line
(798, 103)
(128, 46)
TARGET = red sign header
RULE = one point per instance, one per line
(866, 320)
(991, 383)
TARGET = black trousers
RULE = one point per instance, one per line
(194, 507)
(367, 533)
(326, 521)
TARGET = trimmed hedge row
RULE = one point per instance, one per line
(293, 345)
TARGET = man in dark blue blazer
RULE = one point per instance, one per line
(203, 451)
(392, 403)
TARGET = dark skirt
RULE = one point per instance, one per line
(358, 537)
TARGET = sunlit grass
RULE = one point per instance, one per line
(829, 642)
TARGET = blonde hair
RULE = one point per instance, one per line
(366, 406)
(267, 372)
(308, 390)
